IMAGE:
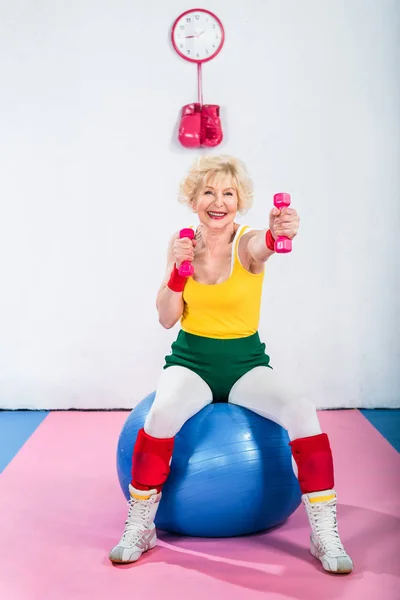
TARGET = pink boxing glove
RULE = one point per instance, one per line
(190, 125)
(211, 129)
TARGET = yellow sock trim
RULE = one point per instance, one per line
(321, 498)
(139, 497)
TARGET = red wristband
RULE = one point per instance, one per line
(270, 241)
(176, 282)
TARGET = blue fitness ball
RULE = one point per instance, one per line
(231, 472)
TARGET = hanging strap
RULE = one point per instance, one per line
(199, 84)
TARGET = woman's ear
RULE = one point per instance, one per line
(193, 204)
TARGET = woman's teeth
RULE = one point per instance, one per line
(216, 215)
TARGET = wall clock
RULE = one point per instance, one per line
(198, 35)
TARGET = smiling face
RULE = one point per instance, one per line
(217, 202)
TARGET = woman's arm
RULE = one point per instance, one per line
(253, 248)
(169, 301)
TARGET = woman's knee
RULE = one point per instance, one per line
(162, 422)
(300, 418)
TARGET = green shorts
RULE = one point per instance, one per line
(219, 362)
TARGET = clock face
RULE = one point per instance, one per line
(198, 35)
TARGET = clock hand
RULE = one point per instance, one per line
(194, 36)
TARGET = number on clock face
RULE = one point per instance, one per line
(197, 35)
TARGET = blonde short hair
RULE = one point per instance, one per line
(207, 169)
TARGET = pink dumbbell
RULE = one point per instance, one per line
(282, 243)
(186, 269)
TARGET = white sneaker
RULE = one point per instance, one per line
(325, 543)
(140, 532)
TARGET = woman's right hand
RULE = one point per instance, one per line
(183, 249)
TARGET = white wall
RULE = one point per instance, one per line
(89, 103)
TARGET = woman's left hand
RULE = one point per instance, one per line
(284, 222)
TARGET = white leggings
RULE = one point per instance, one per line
(181, 393)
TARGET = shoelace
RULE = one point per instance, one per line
(324, 516)
(137, 519)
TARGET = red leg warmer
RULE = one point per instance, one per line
(150, 461)
(314, 461)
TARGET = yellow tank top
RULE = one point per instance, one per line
(226, 310)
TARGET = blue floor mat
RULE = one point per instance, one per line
(387, 422)
(16, 427)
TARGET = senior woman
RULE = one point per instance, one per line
(218, 357)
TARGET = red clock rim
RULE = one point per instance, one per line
(195, 60)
